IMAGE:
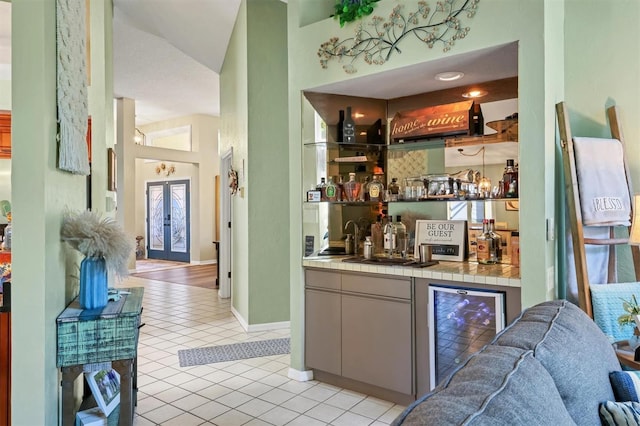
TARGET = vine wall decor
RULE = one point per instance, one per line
(442, 24)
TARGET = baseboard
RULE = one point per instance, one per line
(300, 376)
(269, 326)
(259, 327)
(203, 262)
(240, 319)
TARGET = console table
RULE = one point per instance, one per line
(109, 334)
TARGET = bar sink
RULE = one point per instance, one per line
(393, 261)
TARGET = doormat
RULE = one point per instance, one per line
(232, 352)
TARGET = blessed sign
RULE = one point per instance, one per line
(441, 120)
(447, 238)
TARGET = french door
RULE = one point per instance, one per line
(168, 225)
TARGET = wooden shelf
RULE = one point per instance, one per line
(507, 131)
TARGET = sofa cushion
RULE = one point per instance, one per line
(495, 386)
(574, 351)
(626, 385)
(620, 413)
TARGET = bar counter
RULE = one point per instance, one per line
(503, 274)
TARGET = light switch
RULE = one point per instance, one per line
(551, 229)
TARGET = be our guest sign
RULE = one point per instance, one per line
(447, 238)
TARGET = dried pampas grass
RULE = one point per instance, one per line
(94, 236)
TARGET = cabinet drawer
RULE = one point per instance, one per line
(322, 279)
(377, 286)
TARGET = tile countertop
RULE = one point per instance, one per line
(501, 274)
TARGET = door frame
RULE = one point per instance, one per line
(225, 246)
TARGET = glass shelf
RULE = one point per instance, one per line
(428, 200)
(348, 146)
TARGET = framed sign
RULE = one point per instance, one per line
(105, 387)
(447, 238)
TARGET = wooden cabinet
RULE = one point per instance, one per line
(323, 345)
(5, 135)
(5, 368)
(359, 328)
(376, 342)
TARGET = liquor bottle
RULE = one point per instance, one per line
(484, 245)
(394, 190)
(340, 195)
(496, 254)
(322, 187)
(510, 180)
(331, 190)
(401, 237)
(389, 237)
(515, 248)
(349, 128)
(364, 190)
(352, 188)
(375, 188)
(339, 136)
(377, 236)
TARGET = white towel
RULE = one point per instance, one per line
(602, 183)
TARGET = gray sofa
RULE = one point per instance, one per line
(549, 367)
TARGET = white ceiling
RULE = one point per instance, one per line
(167, 56)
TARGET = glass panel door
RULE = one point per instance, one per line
(168, 220)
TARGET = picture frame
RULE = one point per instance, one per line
(111, 169)
(449, 239)
(105, 387)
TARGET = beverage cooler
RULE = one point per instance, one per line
(461, 322)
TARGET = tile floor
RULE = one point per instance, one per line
(247, 392)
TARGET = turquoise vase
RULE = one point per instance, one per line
(93, 283)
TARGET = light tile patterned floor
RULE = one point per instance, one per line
(252, 392)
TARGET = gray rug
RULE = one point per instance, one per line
(244, 350)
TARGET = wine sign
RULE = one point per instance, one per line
(448, 238)
(460, 118)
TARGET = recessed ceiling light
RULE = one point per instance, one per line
(474, 94)
(449, 76)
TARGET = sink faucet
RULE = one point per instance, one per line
(356, 234)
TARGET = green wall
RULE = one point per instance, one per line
(254, 118)
(42, 264)
(267, 175)
(234, 129)
(497, 22)
(602, 68)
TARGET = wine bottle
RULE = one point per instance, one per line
(477, 121)
(339, 136)
(349, 128)
(401, 237)
(510, 180)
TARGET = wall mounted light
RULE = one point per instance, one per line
(165, 170)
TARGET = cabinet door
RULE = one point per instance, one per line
(322, 331)
(5, 135)
(376, 342)
(5, 368)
